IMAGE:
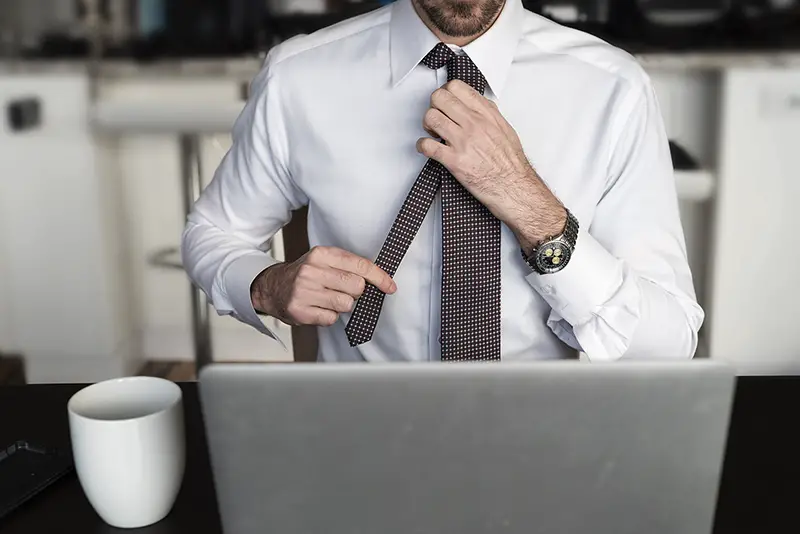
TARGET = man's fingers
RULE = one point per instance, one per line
(315, 316)
(302, 311)
(435, 150)
(376, 276)
(449, 104)
(470, 98)
(347, 261)
(476, 102)
(465, 93)
(343, 281)
(328, 299)
(440, 125)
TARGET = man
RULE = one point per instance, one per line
(545, 221)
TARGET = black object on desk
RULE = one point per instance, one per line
(759, 490)
(27, 470)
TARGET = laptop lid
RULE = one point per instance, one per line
(559, 447)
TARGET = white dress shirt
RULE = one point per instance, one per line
(332, 123)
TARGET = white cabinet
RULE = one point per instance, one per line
(753, 318)
(8, 342)
(142, 119)
(64, 298)
(687, 100)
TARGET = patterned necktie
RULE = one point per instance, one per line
(470, 250)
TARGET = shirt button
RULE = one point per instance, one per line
(548, 290)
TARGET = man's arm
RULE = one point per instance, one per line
(627, 291)
(250, 198)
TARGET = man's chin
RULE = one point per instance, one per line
(465, 5)
(462, 26)
(457, 18)
(468, 29)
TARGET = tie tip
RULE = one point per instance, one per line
(356, 339)
(357, 335)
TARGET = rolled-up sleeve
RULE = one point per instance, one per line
(225, 245)
(627, 291)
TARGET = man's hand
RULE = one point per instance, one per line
(485, 155)
(316, 288)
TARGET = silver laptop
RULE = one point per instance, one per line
(541, 448)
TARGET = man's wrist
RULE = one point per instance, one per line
(260, 290)
(550, 222)
(538, 215)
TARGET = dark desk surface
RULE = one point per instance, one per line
(759, 493)
(38, 414)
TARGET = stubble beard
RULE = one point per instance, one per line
(459, 18)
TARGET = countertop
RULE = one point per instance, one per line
(244, 68)
(758, 488)
(231, 67)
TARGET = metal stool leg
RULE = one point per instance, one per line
(191, 181)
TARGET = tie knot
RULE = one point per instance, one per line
(458, 67)
(438, 57)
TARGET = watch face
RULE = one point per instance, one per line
(553, 256)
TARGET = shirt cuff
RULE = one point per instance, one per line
(237, 280)
(590, 279)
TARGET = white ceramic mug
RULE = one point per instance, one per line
(128, 444)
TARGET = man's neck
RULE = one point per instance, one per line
(449, 39)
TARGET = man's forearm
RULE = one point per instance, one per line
(534, 214)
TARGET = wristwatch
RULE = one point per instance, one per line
(554, 253)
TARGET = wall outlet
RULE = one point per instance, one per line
(23, 114)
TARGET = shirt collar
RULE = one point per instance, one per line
(492, 52)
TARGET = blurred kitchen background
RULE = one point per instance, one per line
(116, 112)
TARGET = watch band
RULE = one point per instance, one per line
(569, 238)
(570, 234)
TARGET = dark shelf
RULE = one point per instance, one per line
(732, 34)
